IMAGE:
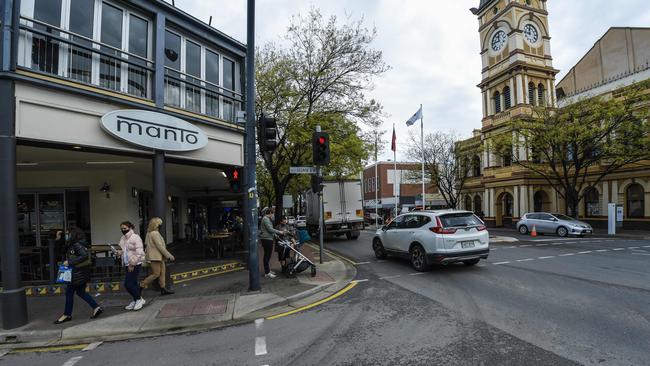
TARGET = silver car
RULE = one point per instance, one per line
(434, 237)
(548, 223)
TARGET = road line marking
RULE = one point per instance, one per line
(381, 261)
(92, 346)
(72, 361)
(389, 277)
(416, 274)
(363, 280)
(566, 255)
(525, 260)
(570, 242)
(585, 252)
(4, 353)
(618, 249)
(497, 263)
(602, 250)
(633, 248)
(259, 323)
(525, 246)
(647, 246)
(547, 257)
(542, 245)
(260, 346)
(360, 263)
(329, 298)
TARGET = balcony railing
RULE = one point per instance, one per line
(50, 50)
(195, 95)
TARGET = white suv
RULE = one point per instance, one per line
(434, 237)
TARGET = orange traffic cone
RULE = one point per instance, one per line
(534, 232)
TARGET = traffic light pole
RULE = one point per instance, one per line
(250, 200)
(321, 219)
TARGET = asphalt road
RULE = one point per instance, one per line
(542, 302)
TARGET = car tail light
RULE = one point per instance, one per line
(481, 228)
(438, 229)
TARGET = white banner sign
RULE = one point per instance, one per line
(154, 130)
(302, 170)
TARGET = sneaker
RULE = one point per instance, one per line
(130, 306)
(273, 273)
(139, 304)
(270, 275)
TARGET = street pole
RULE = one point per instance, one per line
(376, 185)
(250, 185)
(422, 142)
(321, 218)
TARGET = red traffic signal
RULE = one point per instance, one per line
(321, 148)
(234, 175)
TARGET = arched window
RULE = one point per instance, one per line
(507, 102)
(635, 201)
(468, 203)
(540, 95)
(477, 205)
(497, 102)
(531, 93)
(476, 166)
(592, 202)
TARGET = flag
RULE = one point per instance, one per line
(415, 117)
(393, 145)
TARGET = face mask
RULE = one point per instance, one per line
(124, 231)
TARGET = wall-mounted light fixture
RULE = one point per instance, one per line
(169, 198)
(106, 188)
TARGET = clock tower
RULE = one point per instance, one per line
(517, 71)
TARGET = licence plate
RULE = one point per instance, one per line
(467, 244)
(344, 226)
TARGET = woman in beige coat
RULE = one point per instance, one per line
(156, 255)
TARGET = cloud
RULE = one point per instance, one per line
(432, 46)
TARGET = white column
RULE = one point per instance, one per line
(614, 191)
(491, 207)
(524, 200)
(486, 203)
(486, 157)
(485, 103)
(520, 90)
(490, 103)
(531, 198)
(515, 197)
(526, 90)
(646, 207)
(605, 189)
(549, 93)
(512, 92)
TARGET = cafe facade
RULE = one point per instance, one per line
(111, 111)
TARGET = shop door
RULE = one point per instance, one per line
(51, 215)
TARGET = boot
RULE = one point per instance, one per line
(164, 291)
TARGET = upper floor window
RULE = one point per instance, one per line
(497, 102)
(90, 41)
(540, 95)
(506, 98)
(476, 166)
(531, 93)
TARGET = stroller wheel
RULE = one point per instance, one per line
(291, 273)
(313, 271)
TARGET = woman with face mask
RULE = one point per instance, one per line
(156, 255)
(132, 253)
(78, 257)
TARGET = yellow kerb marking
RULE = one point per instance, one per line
(329, 298)
(51, 349)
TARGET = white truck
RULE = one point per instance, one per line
(342, 209)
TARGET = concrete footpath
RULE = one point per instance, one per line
(200, 304)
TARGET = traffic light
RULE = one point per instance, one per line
(268, 133)
(321, 148)
(316, 183)
(234, 176)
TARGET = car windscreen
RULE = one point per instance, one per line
(564, 217)
(462, 219)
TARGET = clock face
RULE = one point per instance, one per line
(499, 40)
(530, 33)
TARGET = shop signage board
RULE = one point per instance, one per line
(153, 130)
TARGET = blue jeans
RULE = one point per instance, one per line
(81, 292)
(131, 283)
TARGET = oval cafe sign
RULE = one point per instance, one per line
(153, 130)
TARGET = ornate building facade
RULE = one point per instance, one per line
(518, 75)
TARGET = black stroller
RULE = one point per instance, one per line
(297, 261)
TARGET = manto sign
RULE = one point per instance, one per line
(154, 130)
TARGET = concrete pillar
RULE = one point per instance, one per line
(486, 202)
(515, 198)
(491, 206)
(513, 101)
(486, 157)
(523, 208)
(526, 90)
(485, 104)
(605, 190)
(531, 198)
(614, 198)
(549, 93)
(489, 102)
(159, 194)
(646, 205)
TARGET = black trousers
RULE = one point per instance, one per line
(268, 251)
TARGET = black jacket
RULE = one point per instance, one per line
(78, 254)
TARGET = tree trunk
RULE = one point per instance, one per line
(572, 205)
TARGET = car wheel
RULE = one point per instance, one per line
(562, 231)
(471, 262)
(523, 230)
(418, 258)
(378, 247)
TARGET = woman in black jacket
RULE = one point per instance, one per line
(78, 257)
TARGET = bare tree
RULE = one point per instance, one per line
(447, 170)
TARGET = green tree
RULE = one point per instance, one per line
(575, 147)
(319, 77)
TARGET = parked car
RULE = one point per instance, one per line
(369, 217)
(301, 221)
(434, 237)
(291, 220)
(552, 223)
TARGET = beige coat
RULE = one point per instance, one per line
(156, 247)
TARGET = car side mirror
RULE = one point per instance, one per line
(384, 228)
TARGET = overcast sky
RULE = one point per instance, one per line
(431, 46)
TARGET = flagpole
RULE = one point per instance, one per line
(424, 201)
(395, 186)
(376, 183)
